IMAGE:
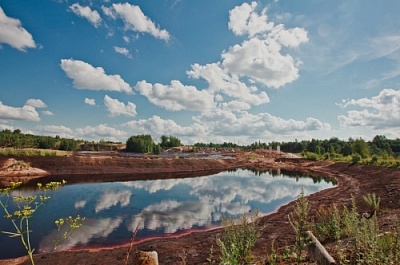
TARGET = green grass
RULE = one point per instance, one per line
(32, 152)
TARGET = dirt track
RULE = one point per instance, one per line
(354, 180)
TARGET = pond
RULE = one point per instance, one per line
(163, 207)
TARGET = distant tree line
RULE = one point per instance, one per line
(380, 146)
(17, 139)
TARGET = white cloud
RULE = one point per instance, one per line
(135, 20)
(47, 113)
(86, 12)
(244, 20)
(235, 105)
(95, 133)
(54, 130)
(36, 103)
(13, 34)
(123, 51)
(380, 112)
(176, 96)
(220, 81)
(158, 126)
(90, 101)
(261, 57)
(117, 108)
(101, 131)
(85, 76)
(226, 123)
(27, 113)
(261, 61)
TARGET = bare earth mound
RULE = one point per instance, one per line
(194, 248)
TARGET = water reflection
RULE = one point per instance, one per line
(113, 210)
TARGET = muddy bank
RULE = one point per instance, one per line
(106, 168)
(194, 248)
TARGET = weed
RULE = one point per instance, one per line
(298, 220)
(238, 239)
(27, 208)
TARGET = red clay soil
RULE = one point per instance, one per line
(194, 248)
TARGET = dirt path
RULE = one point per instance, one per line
(194, 248)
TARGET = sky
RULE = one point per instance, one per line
(202, 71)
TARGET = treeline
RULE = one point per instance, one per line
(380, 146)
(16, 139)
(330, 148)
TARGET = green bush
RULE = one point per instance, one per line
(238, 239)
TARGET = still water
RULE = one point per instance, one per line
(163, 207)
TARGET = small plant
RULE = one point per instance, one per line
(328, 223)
(298, 220)
(210, 258)
(355, 158)
(27, 208)
(238, 239)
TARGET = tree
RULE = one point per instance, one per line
(140, 144)
(171, 141)
(361, 147)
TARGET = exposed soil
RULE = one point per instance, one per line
(194, 248)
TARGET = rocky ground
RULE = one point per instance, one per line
(194, 248)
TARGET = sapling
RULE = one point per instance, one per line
(298, 221)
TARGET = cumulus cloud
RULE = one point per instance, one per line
(261, 59)
(135, 20)
(220, 81)
(26, 113)
(262, 62)
(36, 103)
(379, 112)
(123, 51)
(86, 12)
(158, 126)
(47, 113)
(96, 133)
(90, 101)
(116, 108)
(244, 20)
(13, 34)
(223, 122)
(176, 96)
(235, 105)
(54, 130)
(261, 56)
(101, 131)
(85, 76)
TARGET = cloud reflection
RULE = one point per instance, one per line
(109, 199)
(171, 216)
(224, 194)
(92, 228)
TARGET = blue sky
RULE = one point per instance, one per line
(203, 71)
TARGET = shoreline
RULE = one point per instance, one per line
(356, 180)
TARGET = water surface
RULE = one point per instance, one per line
(158, 207)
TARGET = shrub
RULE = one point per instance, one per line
(238, 239)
